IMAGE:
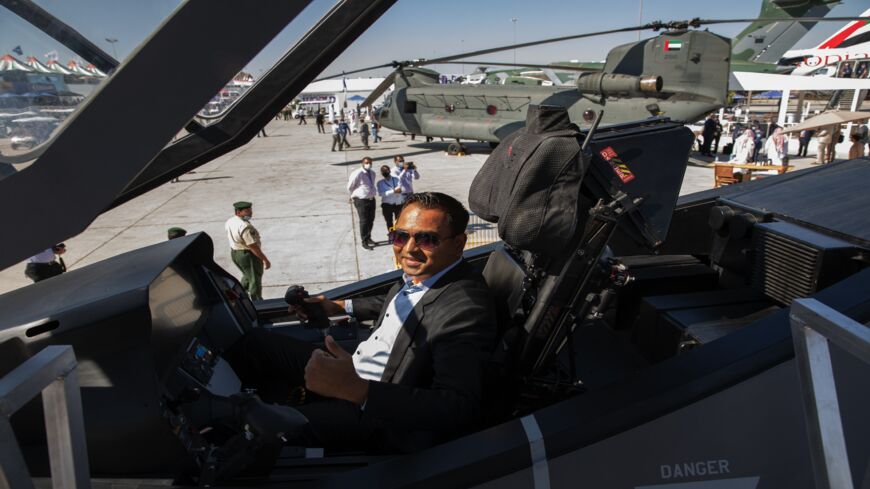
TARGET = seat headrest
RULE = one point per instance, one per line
(543, 118)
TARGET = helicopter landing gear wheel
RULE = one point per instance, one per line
(456, 149)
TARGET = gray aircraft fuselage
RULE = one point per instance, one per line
(694, 67)
(460, 111)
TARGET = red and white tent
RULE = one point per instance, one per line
(9, 63)
(56, 67)
(36, 65)
(77, 70)
(94, 71)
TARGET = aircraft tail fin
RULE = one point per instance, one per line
(766, 42)
(852, 34)
(691, 63)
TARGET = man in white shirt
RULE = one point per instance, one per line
(361, 185)
(391, 198)
(46, 264)
(406, 173)
(418, 379)
(336, 137)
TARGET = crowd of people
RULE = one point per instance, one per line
(346, 123)
(396, 184)
(394, 188)
(753, 144)
(353, 122)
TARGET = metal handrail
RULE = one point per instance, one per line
(815, 325)
(51, 372)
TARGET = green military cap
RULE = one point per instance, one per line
(241, 205)
(176, 232)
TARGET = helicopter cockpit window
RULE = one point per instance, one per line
(48, 72)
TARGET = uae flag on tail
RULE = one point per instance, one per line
(673, 45)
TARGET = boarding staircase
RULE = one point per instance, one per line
(841, 100)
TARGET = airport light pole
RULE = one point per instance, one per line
(514, 21)
(640, 18)
(112, 41)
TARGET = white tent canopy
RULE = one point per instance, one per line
(335, 85)
(9, 63)
(58, 68)
(828, 119)
(74, 67)
(36, 65)
(94, 71)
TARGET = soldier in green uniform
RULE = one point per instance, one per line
(245, 249)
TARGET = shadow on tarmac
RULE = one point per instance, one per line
(473, 148)
(203, 179)
(386, 157)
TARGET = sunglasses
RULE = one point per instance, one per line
(425, 240)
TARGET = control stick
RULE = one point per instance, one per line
(295, 296)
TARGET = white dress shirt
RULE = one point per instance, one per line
(387, 191)
(361, 184)
(406, 178)
(46, 256)
(371, 356)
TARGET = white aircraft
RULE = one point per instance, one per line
(852, 42)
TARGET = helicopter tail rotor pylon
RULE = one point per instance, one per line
(403, 76)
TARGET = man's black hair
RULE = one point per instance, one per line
(457, 215)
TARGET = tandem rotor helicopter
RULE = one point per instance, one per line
(681, 74)
(685, 376)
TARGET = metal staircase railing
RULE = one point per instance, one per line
(51, 372)
(814, 326)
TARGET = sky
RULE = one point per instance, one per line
(415, 28)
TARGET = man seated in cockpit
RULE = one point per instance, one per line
(419, 377)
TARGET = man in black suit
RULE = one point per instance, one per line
(419, 377)
(708, 133)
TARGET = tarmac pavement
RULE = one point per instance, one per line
(301, 206)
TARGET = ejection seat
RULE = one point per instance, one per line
(540, 300)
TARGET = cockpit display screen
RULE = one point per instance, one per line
(203, 354)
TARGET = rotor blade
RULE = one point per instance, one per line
(530, 65)
(793, 19)
(345, 73)
(655, 25)
(379, 90)
(481, 52)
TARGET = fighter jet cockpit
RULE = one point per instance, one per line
(644, 338)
